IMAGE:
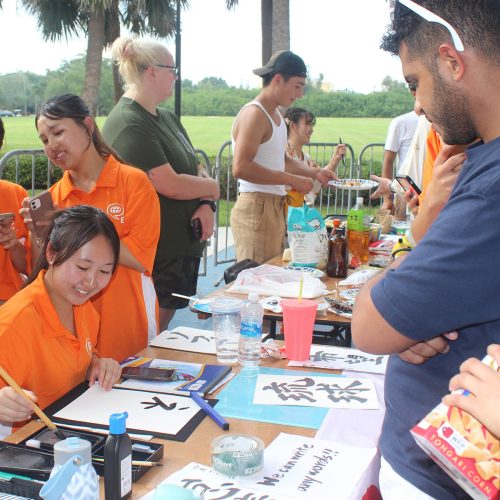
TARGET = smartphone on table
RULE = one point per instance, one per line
(41, 210)
(145, 373)
(6, 219)
(406, 182)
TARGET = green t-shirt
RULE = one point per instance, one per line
(147, 141)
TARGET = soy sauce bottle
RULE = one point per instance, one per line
(118, 459)
(337, 255)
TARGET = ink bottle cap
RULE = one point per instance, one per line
(118, 423)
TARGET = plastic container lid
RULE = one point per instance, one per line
(225, 305)
(69, 447)
(118, 423)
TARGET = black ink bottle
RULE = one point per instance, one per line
(118, 459)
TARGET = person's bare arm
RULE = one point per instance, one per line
(444, 175)
(388, 164)
(169, 183)
(252, 128)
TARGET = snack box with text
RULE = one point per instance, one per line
(463, 447)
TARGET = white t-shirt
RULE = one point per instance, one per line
(271, 154)
(400, 134)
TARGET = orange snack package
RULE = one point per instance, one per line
(462, 447)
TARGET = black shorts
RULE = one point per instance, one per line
(178, 275)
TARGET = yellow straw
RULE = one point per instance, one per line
(301, 286)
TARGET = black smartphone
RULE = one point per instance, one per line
(41, 210)
(145, 373)
(406, 182)
(196, 229)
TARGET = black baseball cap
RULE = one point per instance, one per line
(284, 62)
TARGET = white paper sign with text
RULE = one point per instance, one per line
(329, 392)
(184, 338)
(344, 358)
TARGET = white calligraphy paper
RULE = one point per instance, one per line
(303, 467)
(184, 338)
(212, 485)
(294, 467)
(147, 411)
(344, 358)
(296, 390)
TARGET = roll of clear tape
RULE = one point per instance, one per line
(237, 454)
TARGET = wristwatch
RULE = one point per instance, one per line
(210, 203)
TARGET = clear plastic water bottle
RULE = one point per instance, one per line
(250, 331)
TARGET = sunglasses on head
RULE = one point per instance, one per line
(433, 18)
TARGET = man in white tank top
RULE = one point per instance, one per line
(260, 162)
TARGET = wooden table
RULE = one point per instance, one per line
(197, 447)
(340, 333)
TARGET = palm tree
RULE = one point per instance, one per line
(275, 25)
(100, 20)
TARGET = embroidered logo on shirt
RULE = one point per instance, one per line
(117, 211)
(88, 346)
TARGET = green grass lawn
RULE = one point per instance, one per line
(210, 132)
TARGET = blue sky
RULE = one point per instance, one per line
(339, 38)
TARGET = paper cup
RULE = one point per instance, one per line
(298, 323)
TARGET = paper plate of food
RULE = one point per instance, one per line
(353, 184)
(340, 307)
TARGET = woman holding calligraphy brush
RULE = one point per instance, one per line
(48, 330)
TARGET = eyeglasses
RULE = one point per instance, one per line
(175, 69)
(433, 18)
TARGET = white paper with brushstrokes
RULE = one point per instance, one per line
(184, 338)
(95, 406)
(344, 358)
(294, 467)
(296, 390)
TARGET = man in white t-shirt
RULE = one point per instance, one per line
(260, 162)
(399, 137)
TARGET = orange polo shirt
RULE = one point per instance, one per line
(11, 198)
(434, 145)
(127, 196)
(37, 351)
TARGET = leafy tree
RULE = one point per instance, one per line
(100, 19)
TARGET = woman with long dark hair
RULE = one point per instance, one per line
(94, 176)
(49, 329)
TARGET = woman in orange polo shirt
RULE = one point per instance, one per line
(93, 176)
(13, 236)
(48, 330)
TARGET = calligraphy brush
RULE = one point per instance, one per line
(60, 434)
(138, 463)
(343, 156)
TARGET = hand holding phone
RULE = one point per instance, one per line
(6, 219)
(196, 229)
(145, 373)
(41, 210)
(406, 182)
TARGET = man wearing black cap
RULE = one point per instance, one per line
(260, 163)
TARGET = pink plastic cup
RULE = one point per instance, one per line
(298, 323)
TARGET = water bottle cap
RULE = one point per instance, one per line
(69, 447)
(253, 297)
(118, 423)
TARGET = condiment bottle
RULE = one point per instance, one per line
(337, 255)
(118, 459)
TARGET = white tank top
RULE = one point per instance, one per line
(271, 154)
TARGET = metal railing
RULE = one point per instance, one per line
(329, 200)
(16, 156)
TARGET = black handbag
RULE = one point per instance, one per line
(232, 272)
